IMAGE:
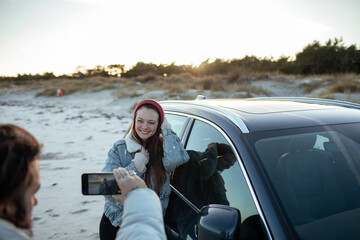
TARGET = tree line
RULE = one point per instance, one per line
(333, 57)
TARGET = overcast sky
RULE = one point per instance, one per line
(38, 36)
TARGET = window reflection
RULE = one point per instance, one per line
(211, 176)
(200, 178)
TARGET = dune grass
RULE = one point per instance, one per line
(237, 84)
(340, 83)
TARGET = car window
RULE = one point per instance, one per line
(316, 174)
(177, 122)
(212, 176)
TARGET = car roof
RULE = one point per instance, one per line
(260, 114)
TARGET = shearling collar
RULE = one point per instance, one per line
(132, 145)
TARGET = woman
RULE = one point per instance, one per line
(152, 150)
(19, 181)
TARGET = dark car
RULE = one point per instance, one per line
(286, 168)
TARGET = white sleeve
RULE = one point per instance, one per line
(142, 217)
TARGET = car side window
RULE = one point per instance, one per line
(213, 176)
(177, 122)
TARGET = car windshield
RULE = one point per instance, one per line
(316, 175)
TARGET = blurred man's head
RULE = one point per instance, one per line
(19, 174)
(226, 157)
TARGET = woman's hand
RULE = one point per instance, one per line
(145, 152)
(141, 159)
(165, 124)
(127, 181)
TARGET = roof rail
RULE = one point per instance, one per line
(230, 115)
(315, 100)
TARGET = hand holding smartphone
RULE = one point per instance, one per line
(99, 184)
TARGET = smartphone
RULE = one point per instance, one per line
(99, 184)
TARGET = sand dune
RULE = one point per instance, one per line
(77, 131)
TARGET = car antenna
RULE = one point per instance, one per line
(200, 97)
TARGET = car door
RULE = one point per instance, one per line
(213, 175)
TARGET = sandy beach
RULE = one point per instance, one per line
(77, 131)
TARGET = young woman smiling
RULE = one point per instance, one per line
(150, 149)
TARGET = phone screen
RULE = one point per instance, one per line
(99, 184)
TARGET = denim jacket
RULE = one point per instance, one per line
(121, 154)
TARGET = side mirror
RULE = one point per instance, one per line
(218, 222)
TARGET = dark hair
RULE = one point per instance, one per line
(18, 148)
(155, 172)
(224, 149)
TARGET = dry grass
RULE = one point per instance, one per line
(69, 86)
(242, 76)
(346, 83)
(339, 83)
(186, 86)
(146, 78)
(345, 86)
